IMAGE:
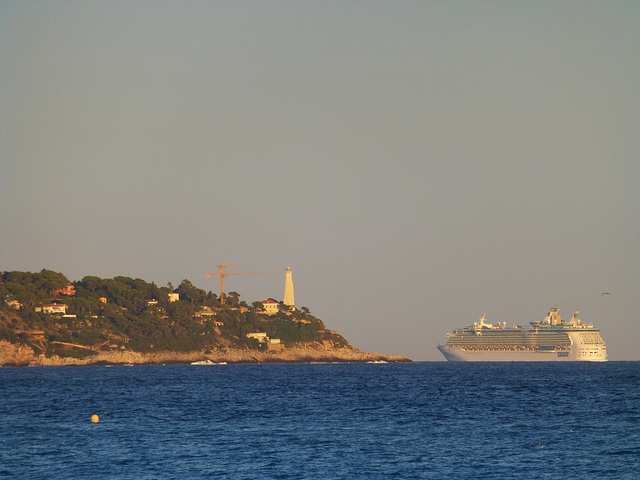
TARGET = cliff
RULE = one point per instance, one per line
(325, 352)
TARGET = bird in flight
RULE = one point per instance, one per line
(606, 293)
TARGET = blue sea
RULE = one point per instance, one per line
(338, 421)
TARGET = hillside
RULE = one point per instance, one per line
(47, 320)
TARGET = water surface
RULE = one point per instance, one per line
(339, 421)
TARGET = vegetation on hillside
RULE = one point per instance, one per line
(127, 313)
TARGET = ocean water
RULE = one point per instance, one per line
(339, 421)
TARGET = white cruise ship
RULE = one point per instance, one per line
(548, 340)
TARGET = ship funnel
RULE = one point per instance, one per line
(575, 320)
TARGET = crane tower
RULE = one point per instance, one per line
(222, 274)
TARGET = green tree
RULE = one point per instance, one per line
(232, 299)
(91, 283)
(211, 300)
(257, 305)
(189, 291)
(49, 281)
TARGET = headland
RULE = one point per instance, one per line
(46, 320)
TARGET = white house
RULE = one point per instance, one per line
(55, 308)
(260, 336)
(205, 312)
(270, 306)
(275, 344)
(15, 304)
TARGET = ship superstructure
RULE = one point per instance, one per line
(550, 339)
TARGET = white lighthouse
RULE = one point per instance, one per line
(288, 289)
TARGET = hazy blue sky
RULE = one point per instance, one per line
(417, 164)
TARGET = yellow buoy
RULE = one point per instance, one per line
(95, 418)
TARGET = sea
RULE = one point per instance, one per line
(431, 420)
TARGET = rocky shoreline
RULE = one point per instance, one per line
(20, 355)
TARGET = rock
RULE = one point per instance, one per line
(325, 352)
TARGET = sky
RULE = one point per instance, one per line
(417, 164)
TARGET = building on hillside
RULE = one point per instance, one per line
(54, 308)
(15, 304)
(289, 300)
(37, 334)
(103, 299)
(174, 297)
(205, 312)
(69, 291)
(262, 337)
(271, 307)
(275, 344)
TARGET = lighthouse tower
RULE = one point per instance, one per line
(288, 289)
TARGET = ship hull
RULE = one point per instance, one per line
(455, 354)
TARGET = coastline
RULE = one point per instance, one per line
(314, 352)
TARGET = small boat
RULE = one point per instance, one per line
(207, 362)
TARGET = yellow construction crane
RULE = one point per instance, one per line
(223, 274)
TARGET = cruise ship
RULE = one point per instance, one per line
(548, 340)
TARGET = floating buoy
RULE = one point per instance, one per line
(95, 418)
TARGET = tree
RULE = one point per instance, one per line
(22, 294)
(49, 281)
(155, 291)
(192, 293)
(91, 283)
(211, 300)
(233, 299)
(22, 278)
(82, 305)
(257, 305)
